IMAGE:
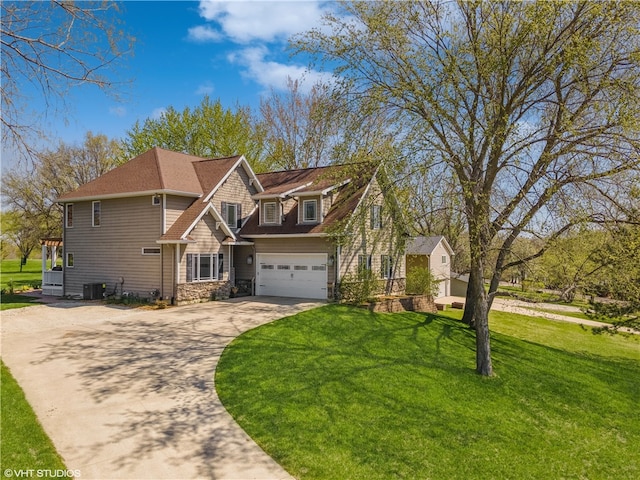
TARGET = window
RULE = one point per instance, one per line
(95, 218)
(386, 266)
(269, 213)
(318, 268)
(151, 251)
(155, 200)
(68, 216)
(310, 211)
(376, 217)
(284, 267)
(444, 259)
(69, 260)
(220, 265)
(232, 215)
(364, 262)
(202, 267)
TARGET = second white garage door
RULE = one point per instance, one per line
(292, 275)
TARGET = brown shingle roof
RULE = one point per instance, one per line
(347, 197)
(156, 170)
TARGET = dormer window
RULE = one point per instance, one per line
(310, 211)
(269, 212)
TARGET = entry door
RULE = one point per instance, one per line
(292, 275)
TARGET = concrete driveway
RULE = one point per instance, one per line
(128, 393)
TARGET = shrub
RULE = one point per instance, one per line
(420, 281)
(358, 288)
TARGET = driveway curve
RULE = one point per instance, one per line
(129, 394)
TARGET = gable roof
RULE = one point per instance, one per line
(155, 171)
(347, 183)
(426, 245)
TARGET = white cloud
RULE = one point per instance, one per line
(265, 20)
(204, 33)
(272, 74)
(118, 111)
(205, 88)
(158, 113)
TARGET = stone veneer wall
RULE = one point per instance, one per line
(414, 303)
(202, 292)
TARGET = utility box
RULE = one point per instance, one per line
(93, 291)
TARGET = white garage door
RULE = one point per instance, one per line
(292, 275)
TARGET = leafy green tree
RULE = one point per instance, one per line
(22, 231)
(49, 47)
(533, 105)
(208, 130)
(31, 191)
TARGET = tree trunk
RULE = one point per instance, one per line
(469, 304)
(483, 343)
(481, 319)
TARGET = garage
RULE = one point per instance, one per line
(292, 275)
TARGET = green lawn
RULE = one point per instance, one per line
(24, 445)
(10, 275)
(339, 392)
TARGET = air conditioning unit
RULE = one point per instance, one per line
(93, 291)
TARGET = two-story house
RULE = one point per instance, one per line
(184, 228)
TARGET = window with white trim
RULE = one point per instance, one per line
(364, 262)
(96, 208)
(269, 212)
(69, 263)
(203, 267)
(386, 266)
(444, 259)
(68, 215)
(232, 215)
(309, 210)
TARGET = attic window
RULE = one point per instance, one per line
(269, 213)
(376, 217)
(155, 200)
(310, 211)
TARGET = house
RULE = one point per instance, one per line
(182, 228)
(434, 253)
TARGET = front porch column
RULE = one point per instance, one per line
(44, 259)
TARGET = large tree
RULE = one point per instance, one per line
(49, 47)
(533, 105)
(208, 130)
(31, 190)
(301, 128)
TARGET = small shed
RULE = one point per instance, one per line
(434, 253)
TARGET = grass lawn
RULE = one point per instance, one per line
(10, 272)
(340, 392)
(24, 444)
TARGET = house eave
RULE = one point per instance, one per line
(111, 196)
(286, 235)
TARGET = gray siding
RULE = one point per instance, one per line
(114, 249)
(175, 206)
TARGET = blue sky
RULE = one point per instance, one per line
(234, 50)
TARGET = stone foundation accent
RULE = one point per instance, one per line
(414, 303)
(202, 292)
